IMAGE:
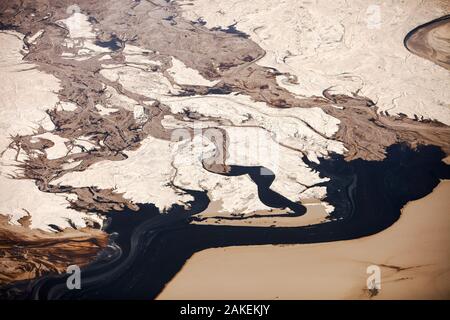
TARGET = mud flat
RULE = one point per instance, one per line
(120, 79)
(367, 195)
(30, 253)
(431, 41)
(414, 257)
(317, 43)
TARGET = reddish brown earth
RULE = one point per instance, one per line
(156, 26)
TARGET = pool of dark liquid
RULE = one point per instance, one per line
(113, 44)
(231, 29)
(367, 196)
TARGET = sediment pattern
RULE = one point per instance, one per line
(27, 254)
(431, 41)
(128, 75)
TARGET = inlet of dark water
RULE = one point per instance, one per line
(114, 43)
(367, 196)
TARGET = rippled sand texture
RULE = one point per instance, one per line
(413, 256)
(432, 41)
(349, 47)
(25, 251)
(29, 253)
(96, 91)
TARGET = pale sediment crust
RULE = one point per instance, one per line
(413, 256)
(431, 41)
(29, 253)
(117, 84)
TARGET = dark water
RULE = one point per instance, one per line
(231, 29)
(188, 92)
(367, 195)
(114, 43)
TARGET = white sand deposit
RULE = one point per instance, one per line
(149, 84)
(184, 75)
(58, 149)
(81, 35)
(145, 176)
(26, 95)
(349, 46)
(293, 127)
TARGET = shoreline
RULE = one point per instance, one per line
(91, 146)
(410, 265)
(164, 247)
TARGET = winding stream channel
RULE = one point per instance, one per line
(150, 248)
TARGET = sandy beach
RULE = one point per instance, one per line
(224, 149)
(413, 255)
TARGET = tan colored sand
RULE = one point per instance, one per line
(447, 160)
(413, 255)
